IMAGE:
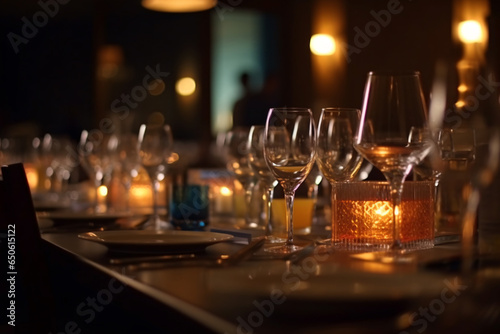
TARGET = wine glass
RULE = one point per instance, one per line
(266, 178)
(289, 151)
(337, 159)
(155, 143)
(128, 163)
(393, 134)
(236, 152)
(63, 162)
(97, 154)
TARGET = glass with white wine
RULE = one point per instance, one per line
(393, 134)
(289, 151)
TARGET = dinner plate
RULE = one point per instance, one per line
(75, 217)
(50, 205)
(145, 241)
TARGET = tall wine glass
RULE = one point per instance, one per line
(264, 175)
(289, 151)
(393, 133)
(336, 156)
(97, 152)
(128, 163)
(155, 147)
(236, 152)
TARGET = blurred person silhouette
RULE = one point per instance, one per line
(252, 108)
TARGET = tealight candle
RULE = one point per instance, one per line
(32, 176)
(141, 195)
(364, 215)
(223, 199)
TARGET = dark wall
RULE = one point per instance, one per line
(416, 35)
(51, 80)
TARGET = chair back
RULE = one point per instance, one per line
(33, 300)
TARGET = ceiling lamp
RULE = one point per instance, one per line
(470, 31)
(322, 45)
(179, 6)
(185, 86)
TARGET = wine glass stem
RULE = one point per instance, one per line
(289, 197)
(267, 198)
(335, 225)
(248, 202)
(127, 197)
(100, 204)
(156, 216)
(468, 225)
(396, 193)
(96, 199)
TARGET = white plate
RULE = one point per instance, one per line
(68, 217)
(130, 241)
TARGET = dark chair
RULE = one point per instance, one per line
(33, 299)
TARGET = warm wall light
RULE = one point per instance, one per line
(322, 45)
(470, 31)
(179, 6)
(185, 86)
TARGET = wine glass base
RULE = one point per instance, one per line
(157, 224)
(270, 239)
(389, 256)
(285, 249)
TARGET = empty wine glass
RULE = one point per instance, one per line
(289, 151)
(264, 175)
(63, 162)
(393, 133)
(155, 147)
(236, 152)
(97, 154)
(337, 158)
(128, 163)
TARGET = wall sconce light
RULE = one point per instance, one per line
(185, 86)
(470, 31)
(322, 45)
(179, 6)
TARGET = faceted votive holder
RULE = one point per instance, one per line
(363, 216)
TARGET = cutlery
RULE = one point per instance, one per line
(147, 262)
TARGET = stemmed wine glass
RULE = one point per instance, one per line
(289, 151)
(393, 134)
(236, 152)
(97, 154)
(155, 143)
(128, 163)
(337, 159)
(266, 178)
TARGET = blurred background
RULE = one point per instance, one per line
(73, 65)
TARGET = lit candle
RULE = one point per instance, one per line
(141, 195)
(32, 176)
(223, 199)
(365, 215)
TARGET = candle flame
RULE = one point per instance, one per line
(103, 191)
(225, 191)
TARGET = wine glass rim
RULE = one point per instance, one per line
(291, 109)
(340, 109)
(394, 73)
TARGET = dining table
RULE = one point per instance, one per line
(234, 285)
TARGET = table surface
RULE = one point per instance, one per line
(326, 291)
